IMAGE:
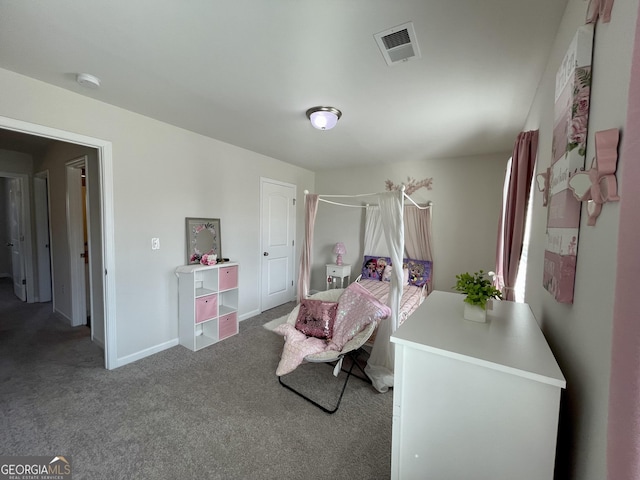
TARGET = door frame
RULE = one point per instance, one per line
(105, 166)
(42, 211)
(25, 225)
(75, 240)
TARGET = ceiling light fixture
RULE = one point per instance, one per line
(88, 81)
(323, 118)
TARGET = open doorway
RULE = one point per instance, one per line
(15, 259)
(78, 241)
(100, 239)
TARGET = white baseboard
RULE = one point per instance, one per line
(63, 315)
(248, 315)
(146, 352)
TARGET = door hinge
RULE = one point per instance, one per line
(292, 283)
(24, 281)
(293, 243)
(294, 201)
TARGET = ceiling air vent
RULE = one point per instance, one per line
(398, 44)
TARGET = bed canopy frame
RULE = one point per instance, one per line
(380, 366)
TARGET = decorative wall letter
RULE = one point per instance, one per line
(573, 85)
(598, 185)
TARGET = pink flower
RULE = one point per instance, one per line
(581, 102)
(209, 259)
(578, 130)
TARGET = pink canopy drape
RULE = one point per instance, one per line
(514, 214)
(304, 274)
(623, 444)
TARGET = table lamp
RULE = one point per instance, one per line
(339, 250)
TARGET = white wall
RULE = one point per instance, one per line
(580, 334)
(467, 195)
(15, 162)
(5, 252)
(161, 174)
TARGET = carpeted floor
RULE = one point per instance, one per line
(218, 413)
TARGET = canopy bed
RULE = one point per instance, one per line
(387, 226)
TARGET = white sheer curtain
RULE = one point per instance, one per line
(380, 366)
(373, 237)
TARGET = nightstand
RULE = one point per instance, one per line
(338, 271)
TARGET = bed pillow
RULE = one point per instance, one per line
(386, 275)
(419, 271)
(316, 318)
(373, 267)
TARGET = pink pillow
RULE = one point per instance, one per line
(316, 317)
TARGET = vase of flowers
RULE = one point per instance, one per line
(478, 289)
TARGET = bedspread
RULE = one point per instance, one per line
(411, 296)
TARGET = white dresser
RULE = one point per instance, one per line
(473, 400)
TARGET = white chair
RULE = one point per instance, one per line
(352, 349)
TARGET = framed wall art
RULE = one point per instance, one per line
(572, 98)
(203, 238)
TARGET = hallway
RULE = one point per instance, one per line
(31, 334)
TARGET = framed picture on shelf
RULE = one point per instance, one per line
(203, 238)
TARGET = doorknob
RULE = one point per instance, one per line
(266, 254)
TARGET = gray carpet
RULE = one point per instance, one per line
(218, 413)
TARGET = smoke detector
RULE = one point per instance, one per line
(398, 44)
(88, 81)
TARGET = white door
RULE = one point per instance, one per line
(16, 238)
(43, 250)
(75, 233)
(278, 236)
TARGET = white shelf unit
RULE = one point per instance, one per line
(207, 304)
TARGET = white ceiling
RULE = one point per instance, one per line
(245, 71)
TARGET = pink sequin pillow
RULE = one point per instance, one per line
(316, 317)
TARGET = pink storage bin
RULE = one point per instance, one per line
(206, 308)
(228, 277)
(227, 325)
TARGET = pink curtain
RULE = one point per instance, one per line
(514, 214)
(304, 274)
(417, 236)
(417, 232)
(623, 444)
